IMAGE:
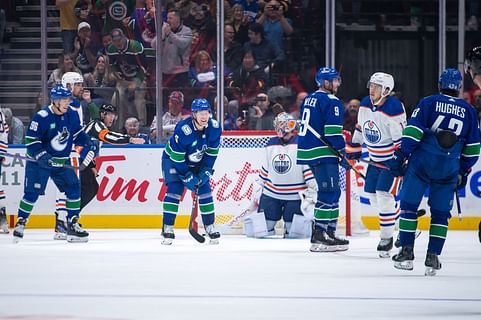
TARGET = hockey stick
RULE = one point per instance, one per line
(197, 236)
(334, 150)
(234, 220)
(458, 204)
(374, 164)
(18, 156)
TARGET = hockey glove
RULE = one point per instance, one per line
(397, 164)
(44, 160)
(344, 163)
(462, 179)
(204, 175)
(190, 181)
(353, 151)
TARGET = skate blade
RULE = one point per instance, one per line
(214, 241)
(167, 241)
(59, 236)
(430, 272)
(342, 248)
(16, 239)
(384, 254)
(405, 265)
(74, 239)
(4, 230)
(321, 248)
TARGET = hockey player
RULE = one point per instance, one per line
(49, 139)
(441, 142)
(3, 149)
(472, 66)
(281, 180)
(188, 162)
(322, 115)
(99, 130)
(380, 122)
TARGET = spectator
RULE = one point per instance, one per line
(232, 49)
(276, 26)
(102, 78)
(106, 41)
(127, 61)
(170, 118)
(16, 129)
(68, 23)
(249, 78)
(267, 54)
(184, 8)
(65, 64)
(115, 13)
(85, 48)
(296, 108)
(202, 73)
(241, 24)
(176, 42)
(261, 114)
(141, 22)
(232, 119)
(132, 128)
(250, 8)
(201, 20)
(350, 115)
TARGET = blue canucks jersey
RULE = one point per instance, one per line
(191, 148)
(55, 134)
(322, 114)
(443, 112)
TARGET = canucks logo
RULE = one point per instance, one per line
(118, 10)
(282, 163)
(197, 155)
(59, 142)
(371, 132)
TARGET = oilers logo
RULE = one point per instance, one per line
(59, 142)
(371, 132)
(282, 163)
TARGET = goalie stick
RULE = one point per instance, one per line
(197, 236)
(17, 156)
(234, 220)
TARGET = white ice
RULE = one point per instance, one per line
(128, 274)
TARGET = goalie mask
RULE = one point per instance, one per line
(284, 123)
(385, 81)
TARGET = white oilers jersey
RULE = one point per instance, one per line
(3, 133)
(380, 128)
(282, 177)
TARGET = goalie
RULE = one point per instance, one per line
(281, 185)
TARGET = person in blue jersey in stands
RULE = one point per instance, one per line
(322, 115)
(49, 139)
(188, 162)
(441, 144)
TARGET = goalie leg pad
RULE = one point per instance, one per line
(301, 227)
(255, 225)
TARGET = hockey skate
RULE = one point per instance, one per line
(3, 221)
(212, 234)
(168, 235)
(432, 264)
(75, 232)
(397, 243)
(321, 242)
(384, 247)
(341, 244)
(404, 259)
(19, 229)
(60, 228)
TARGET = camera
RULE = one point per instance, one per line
(258, 99)
(275, 7)
(204, 7)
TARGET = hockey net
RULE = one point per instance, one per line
(248, 144)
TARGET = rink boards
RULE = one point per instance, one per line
(131, 186)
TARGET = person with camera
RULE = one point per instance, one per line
(261, 114)
(275, 24)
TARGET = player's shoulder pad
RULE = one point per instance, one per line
(43, 113)
(184, 128)
(393, 107)
(366, 102)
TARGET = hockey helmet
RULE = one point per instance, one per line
(450, 79)
(327, 74)
(284, 123)
(59, 92)
(107, 107)
(473, 61)
(200, 105)
(71, 78)
(385, 80)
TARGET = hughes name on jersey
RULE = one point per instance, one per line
(322, 115)
(192, 148)
(442, 112)
(281, 176)
(55, 134)
(380, 127)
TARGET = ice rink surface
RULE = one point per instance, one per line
(128, 274)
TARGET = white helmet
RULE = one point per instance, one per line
(385, 80)
(71, 78)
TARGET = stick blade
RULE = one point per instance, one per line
(197, 236)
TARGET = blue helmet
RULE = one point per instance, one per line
(450, 79)
(326, 73)
(200, 105)
(60, 92)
